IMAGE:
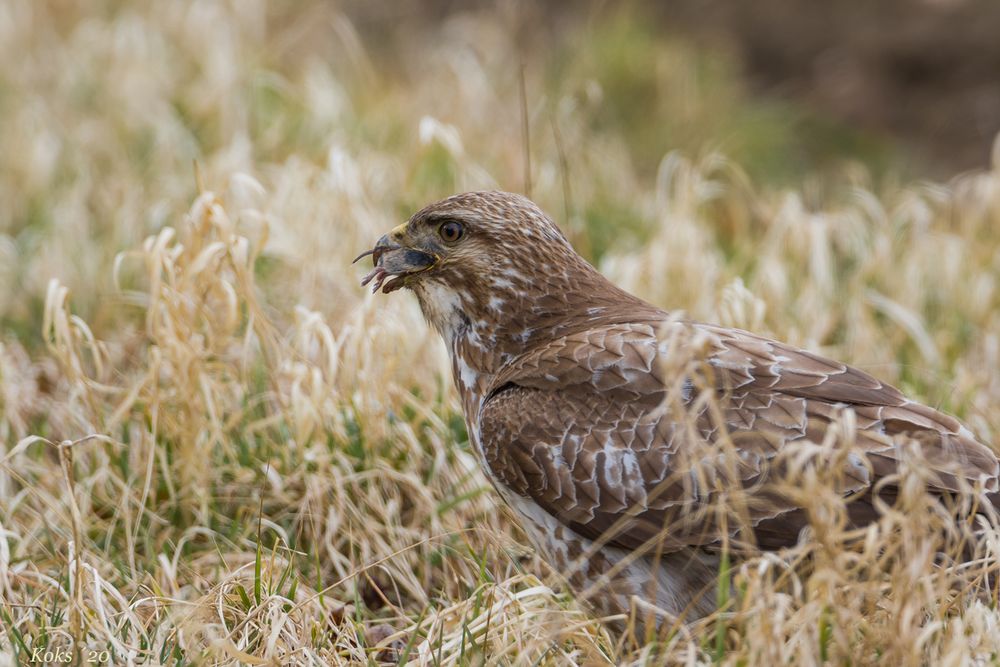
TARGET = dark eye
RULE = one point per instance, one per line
(451, 231)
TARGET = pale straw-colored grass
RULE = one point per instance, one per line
(216, 448)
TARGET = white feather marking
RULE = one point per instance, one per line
(502, 283)
(443, 307)
(511, 273)
(722, 363)
(467, 376)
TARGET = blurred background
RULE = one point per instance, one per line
(781, 85)
(106, 105)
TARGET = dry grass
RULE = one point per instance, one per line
(216, 448)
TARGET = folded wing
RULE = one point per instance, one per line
(624, 448)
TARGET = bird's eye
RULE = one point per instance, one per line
(451, 231)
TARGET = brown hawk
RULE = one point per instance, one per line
(615, 456)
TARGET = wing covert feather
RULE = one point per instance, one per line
(579, 427)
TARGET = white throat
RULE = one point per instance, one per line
(443, 308)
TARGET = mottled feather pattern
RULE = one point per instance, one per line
(774, 395)
(613, 453)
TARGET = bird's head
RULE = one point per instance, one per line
(476, 257)
(465, 240)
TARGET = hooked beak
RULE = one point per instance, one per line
(395, 262)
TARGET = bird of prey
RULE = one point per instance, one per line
(618, 459)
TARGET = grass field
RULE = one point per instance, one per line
(217, 448)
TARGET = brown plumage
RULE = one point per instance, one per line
(618, 433)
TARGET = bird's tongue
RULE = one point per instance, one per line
(397, 263)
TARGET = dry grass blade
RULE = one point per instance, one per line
(215, 448)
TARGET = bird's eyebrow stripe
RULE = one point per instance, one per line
(438, 218)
